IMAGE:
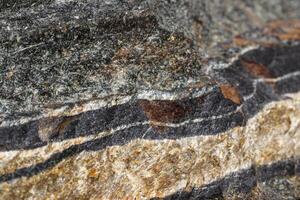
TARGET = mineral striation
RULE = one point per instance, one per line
(150, 99)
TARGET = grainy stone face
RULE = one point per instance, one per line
(184, 99)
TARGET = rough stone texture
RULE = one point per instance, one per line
(183, 99)
(137, 170)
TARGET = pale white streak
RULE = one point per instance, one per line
(243, 51)
(117, 99)
(217, 66)
(142, 94)
(127, 126)
(198, 120)
(214, 66)
(162, 95)
(58, 146)
(284, 77)
(195, 121)
(109, 101)
(55, 147)
(63, 1)
(254, 85)
(46, 151)
(66, 110)
(269, 80)
(26, 48)
(102, 134)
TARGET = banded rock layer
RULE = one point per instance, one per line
(149, 99)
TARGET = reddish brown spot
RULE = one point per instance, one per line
(231, 93)
(256, 69)
(93, 173)
(162, 111)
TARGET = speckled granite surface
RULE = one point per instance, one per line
(139, 99)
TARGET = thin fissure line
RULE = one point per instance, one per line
(273, 80)
(26, 48)
(197, 120)
(148, 122)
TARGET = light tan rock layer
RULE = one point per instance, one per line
(143, 169)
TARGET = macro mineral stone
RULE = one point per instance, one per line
(150, 99)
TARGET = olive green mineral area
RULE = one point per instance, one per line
(150, 99)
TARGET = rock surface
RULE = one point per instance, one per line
(184, 99)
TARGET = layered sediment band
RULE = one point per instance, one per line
(149, 99)
(273, 130)
(250, 84)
